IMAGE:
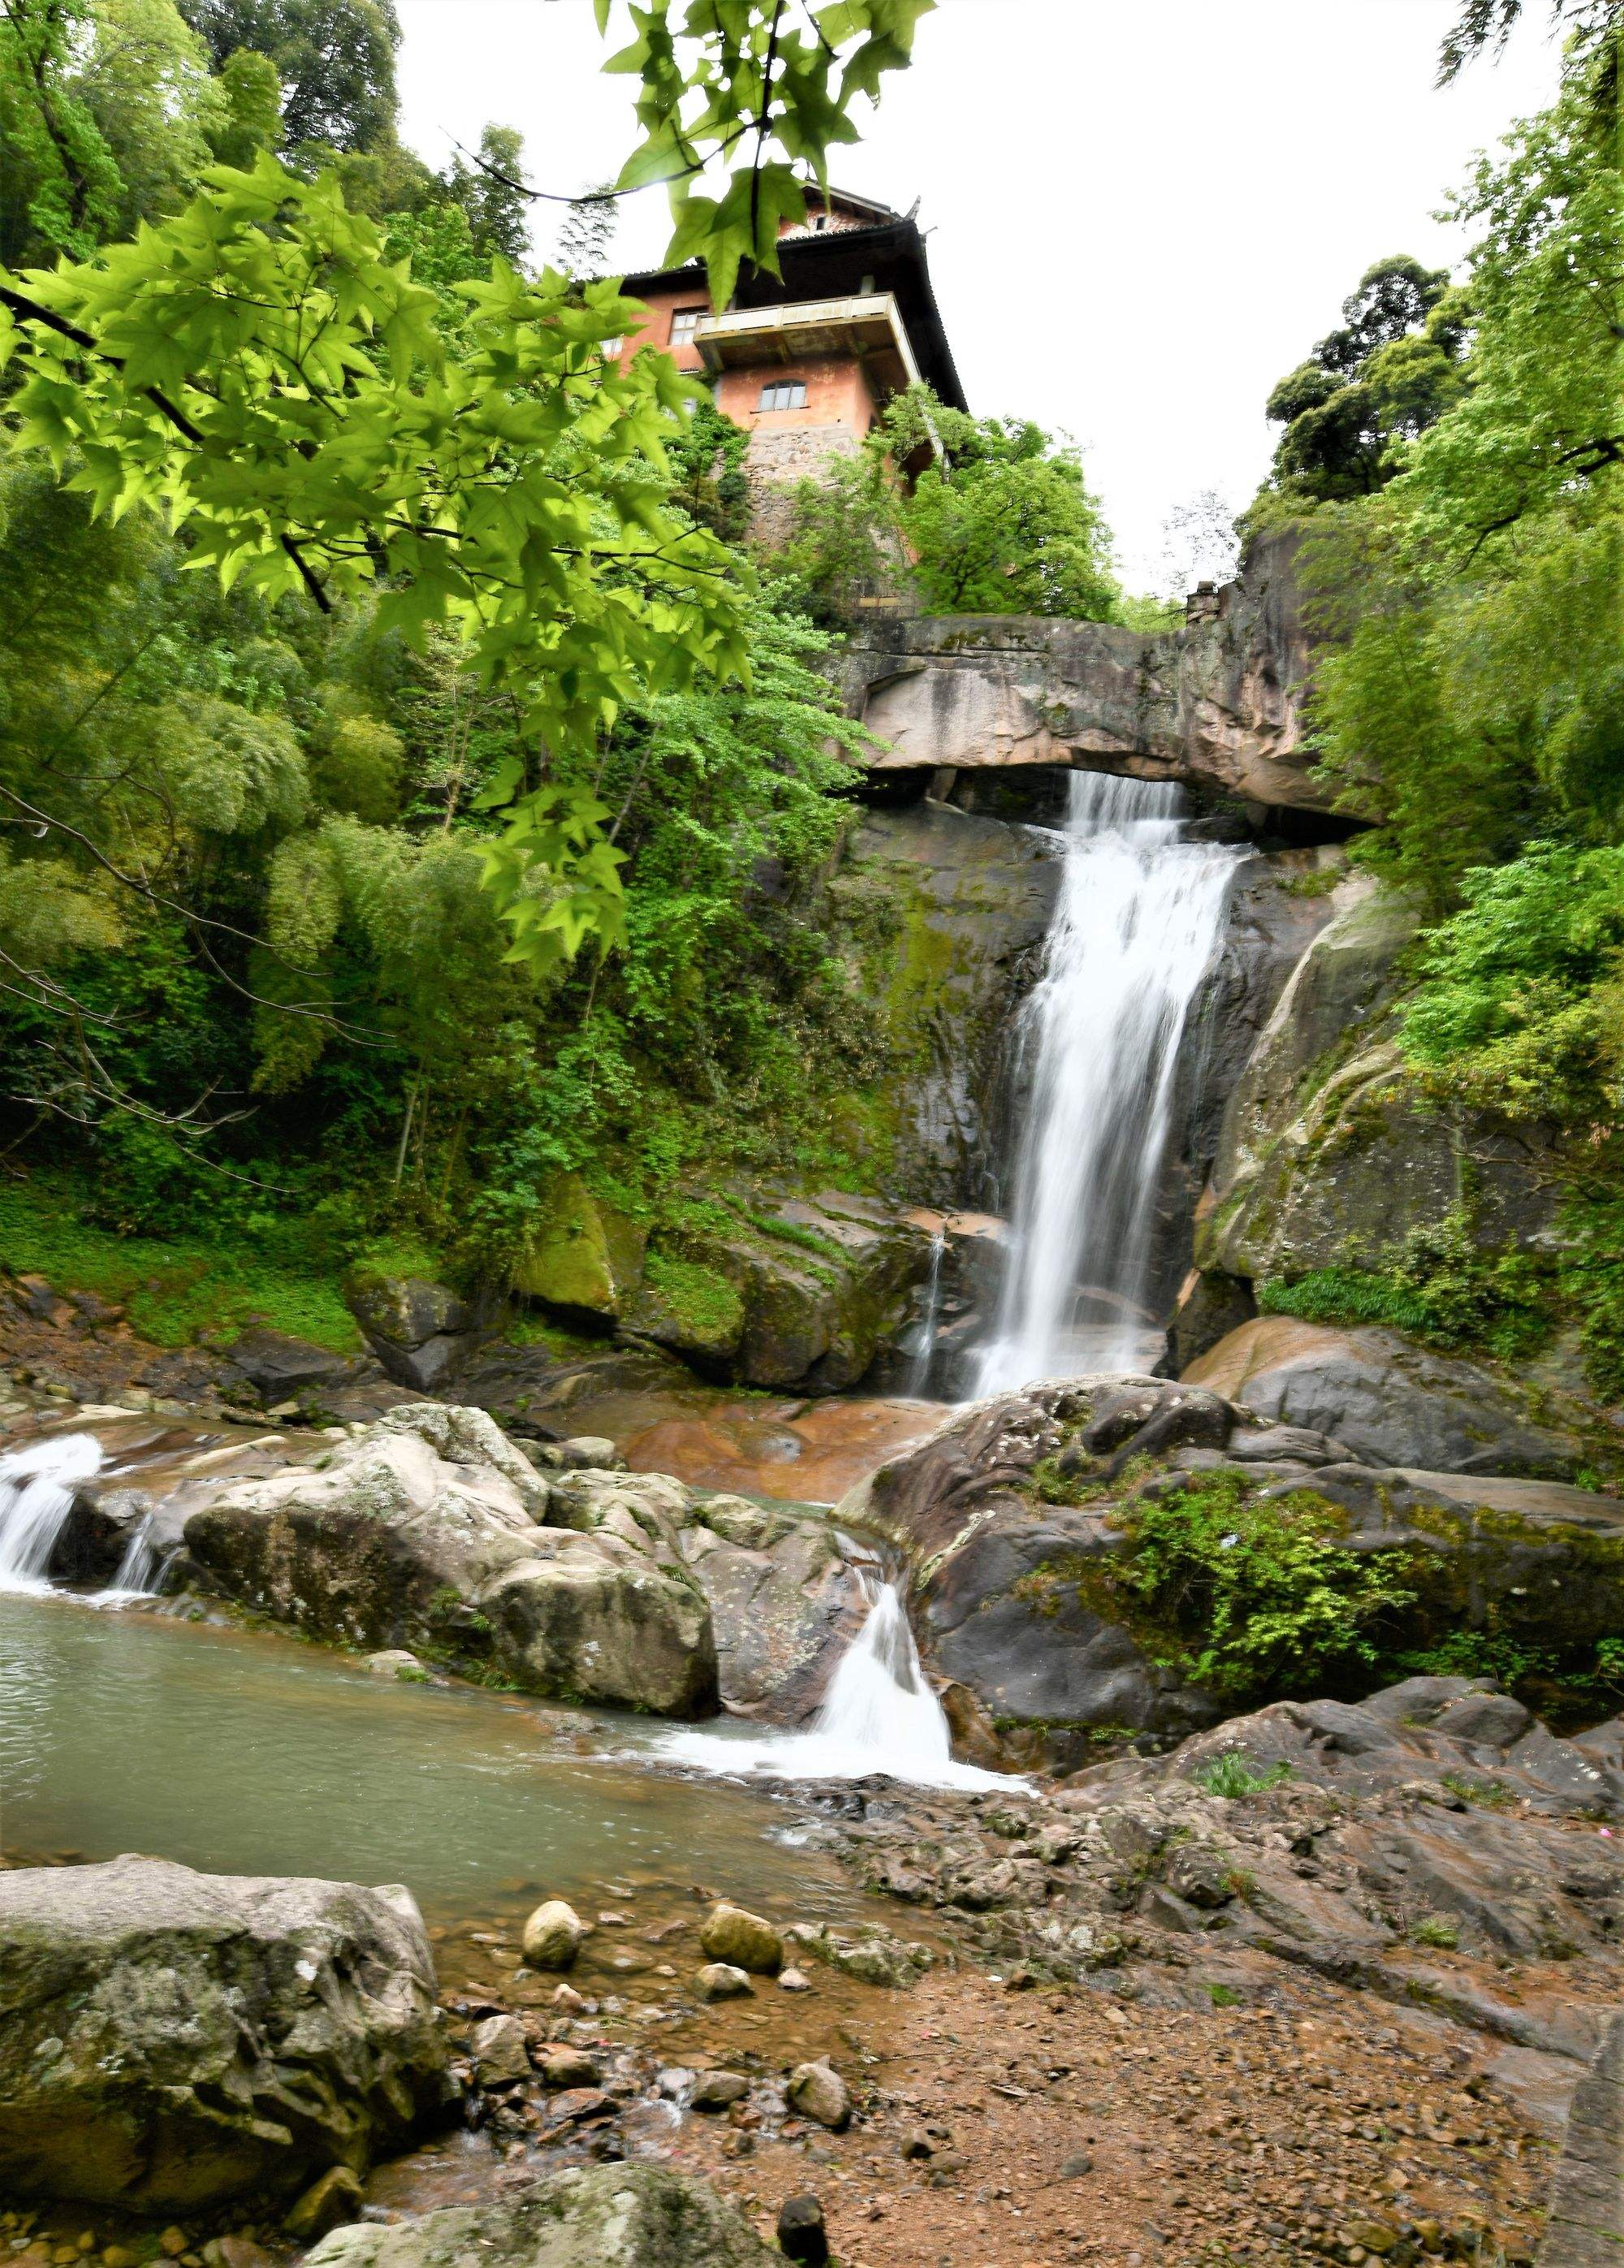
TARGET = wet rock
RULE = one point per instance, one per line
(564, 2066)
(553, 1936)
(817, 2091)
(177, 2039)
(719, 1980)
(1015, 1596)
(730, 1935)
(273, 1366)
(1390, 1401)
(783, 1602)
(430, 1529)
(719, 2090)
(617, 2216)
(801, 2231)
(500, 2051)
(394, 1662)
(328, 2204)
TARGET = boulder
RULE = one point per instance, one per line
(422, 1332)
(587, 1260)
(431, 1530)
(553, 1936)
(729, 1933)
(337, 2196)
(783, 1599)
(173, 2040)
(1014, 1600)
(1386, 1400)
(276, 1367)
(620, 2216)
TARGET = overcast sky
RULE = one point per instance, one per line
(1142, 216)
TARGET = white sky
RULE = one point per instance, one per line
(1142, 215)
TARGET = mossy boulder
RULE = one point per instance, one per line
(174, 2040)
(1020, 1521)
(587, 1259)
(783, 1287)
(1330, 1153)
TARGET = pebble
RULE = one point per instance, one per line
(794, 1980)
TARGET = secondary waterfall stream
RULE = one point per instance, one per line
(879, 1715)
(1136, 929)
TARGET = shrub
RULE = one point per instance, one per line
(1271, 1601)
(1233, 1776)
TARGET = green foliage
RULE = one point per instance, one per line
(1441, 1284)
(1391, 371)
(992, 516)
(249, 1268)
(1233, 1776)
(335, 60)
(1263, 1596)
(1436, 1930)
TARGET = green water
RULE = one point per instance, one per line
(249, 1753)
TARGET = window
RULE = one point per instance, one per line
(789, 394)
(684, 323)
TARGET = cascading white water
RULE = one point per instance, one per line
(37, 1486)
(923, 1349)
(140, 1573)
(1134, 931)
(879, 1715)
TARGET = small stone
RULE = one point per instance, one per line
(1077, 2165)
(578, 2104)
(501, 2052)
(719, 2090)
(553, 1936)
(567, 2066)
(793, 1980)
(328, 2203)
(568, 2001)
(174, 2241)
(801, 2233)
(717, 1981)
(917, 2144)
(118, 2255)
(817, 2090)
(744, 1939)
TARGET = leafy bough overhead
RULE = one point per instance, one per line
(257, 369)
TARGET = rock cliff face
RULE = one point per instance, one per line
(1217, 704)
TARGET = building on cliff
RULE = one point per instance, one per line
(807, 361)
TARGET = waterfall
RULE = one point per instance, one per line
(922, 1352)
(36, 1485)
(879, 1715)
(1134, 931)
(878, 1706)
(140, 1573)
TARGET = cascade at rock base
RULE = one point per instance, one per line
(1017, 1599)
